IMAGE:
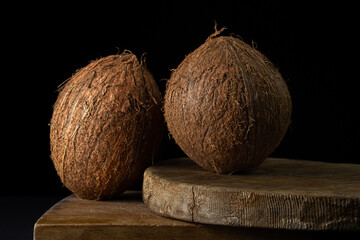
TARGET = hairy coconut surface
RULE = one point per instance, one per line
(106, 126)
(227, 106)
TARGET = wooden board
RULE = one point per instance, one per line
(280, 194)
(129, 218)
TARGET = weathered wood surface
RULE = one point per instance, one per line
(129, 218)
(280, 194)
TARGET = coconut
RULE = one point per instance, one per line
(226, 105)
(106, 126)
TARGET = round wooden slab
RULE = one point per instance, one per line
(281, 193)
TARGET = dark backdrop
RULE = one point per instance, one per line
(313, 46)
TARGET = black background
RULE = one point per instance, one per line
(314, 46)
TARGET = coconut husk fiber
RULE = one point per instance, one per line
(226, 105)
(106, 126)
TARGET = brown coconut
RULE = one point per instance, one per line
(227, 106)
(106, 126)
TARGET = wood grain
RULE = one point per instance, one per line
(280, 194)
(129, 218)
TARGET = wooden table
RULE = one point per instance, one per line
(129, 218)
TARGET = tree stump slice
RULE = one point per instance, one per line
(280, 194)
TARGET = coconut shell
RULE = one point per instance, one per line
(227, 106)
(106, 127)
